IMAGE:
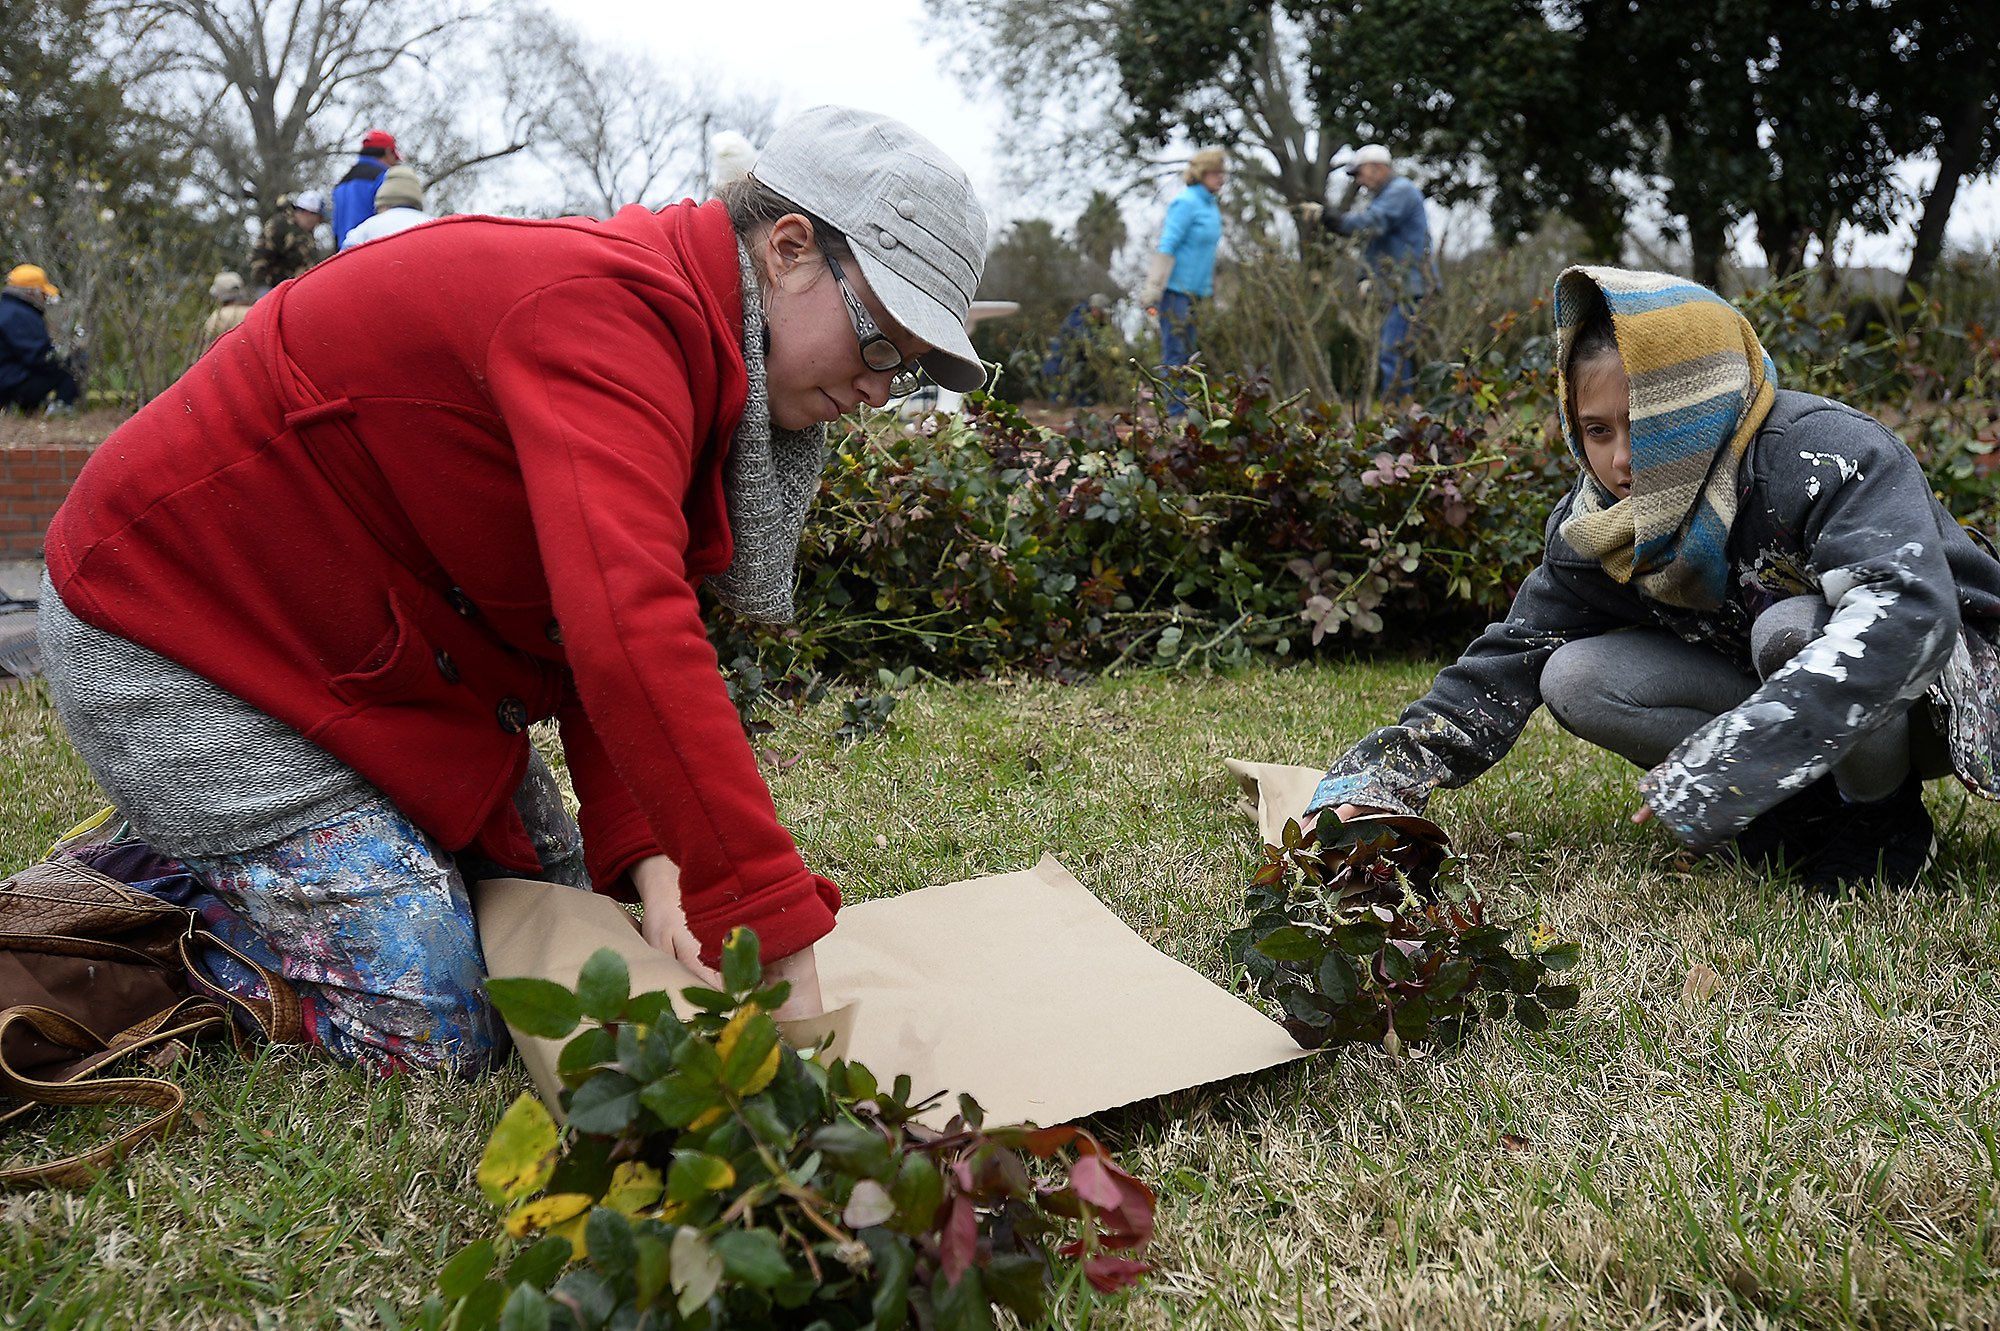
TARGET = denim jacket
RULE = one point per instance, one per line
(1398, 252)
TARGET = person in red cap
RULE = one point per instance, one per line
(354, 196)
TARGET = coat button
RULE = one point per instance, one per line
(512, 714)
(447, 667)
(553, 631)
(885, 240)
(461, 602)
(908, 208)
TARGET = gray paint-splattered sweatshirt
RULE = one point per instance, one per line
(1829, 501)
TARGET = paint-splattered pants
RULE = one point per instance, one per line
(1640, 692)
(371, 921)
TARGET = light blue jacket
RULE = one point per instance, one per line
(1193, 229)
(1398, 253)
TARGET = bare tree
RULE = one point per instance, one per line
(272, 91)
(612, 125)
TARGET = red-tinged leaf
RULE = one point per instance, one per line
(1108, 1274)
(1045, 1142)
(958, 1242)
(1091, 1177)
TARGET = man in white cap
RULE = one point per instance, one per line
(1397, 255)
(286, 247)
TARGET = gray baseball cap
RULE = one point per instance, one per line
(908, 211)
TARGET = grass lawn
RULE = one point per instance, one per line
(1808, 1141)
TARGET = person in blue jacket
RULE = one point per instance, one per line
(30, 370)
(354, 196)
(1397, 256)
(1183, 264)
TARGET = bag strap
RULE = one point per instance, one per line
(164, 1034)
(160, 1038)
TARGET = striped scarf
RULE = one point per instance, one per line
(1701, 385)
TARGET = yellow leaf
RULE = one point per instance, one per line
(732, 1035)
(573, 1231)
(547, 1212)
(521, 1154)
(635, 1185)
(708, 1118)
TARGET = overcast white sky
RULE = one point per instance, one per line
(879, 56)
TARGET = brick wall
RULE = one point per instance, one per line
(34, 480)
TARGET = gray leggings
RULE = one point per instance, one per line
(1639, 692)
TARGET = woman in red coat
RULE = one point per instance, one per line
(301, 610)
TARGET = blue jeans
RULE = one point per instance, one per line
(1396, 372)
(1177, 340)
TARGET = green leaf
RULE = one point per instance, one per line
(588, 1049)
(655, 1009)
(1018, 1282)
(1361, 938)
(698, 1061)
(607, 1236)
(1413, 1019)
(652, 1267)
(527, 1309)
(604, 1105)
(709, 1000)
(521, 1153)
(1450, 980)
(1396, 964)
(918, 1190)
(603, 985)
(1562, 956)
(480, 1310)
(696, 1269)
(678, 1100)
(462, 1274)
(752, 1256)
(643, 1055)
(535, 1006)
(894, 1262)
(1339, 979)
(540, 1263)
(741, 970)
(1291, 943)
(1558, 997)
(853, 1148)
(1530, 1013)
(963, 1306)
(695, 1174)
(748, 1047)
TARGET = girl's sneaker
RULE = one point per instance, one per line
(1890, 842)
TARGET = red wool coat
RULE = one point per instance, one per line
(450, 483)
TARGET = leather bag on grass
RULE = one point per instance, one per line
(95, 973)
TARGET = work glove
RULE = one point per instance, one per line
(1157, 272)
(1309, 214)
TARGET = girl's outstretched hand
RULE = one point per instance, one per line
(665, 926)
(1645, 814)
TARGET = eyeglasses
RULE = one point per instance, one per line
(877, 351)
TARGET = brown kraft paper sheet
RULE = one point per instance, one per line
(1022, 989)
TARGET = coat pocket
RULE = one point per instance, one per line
(397, 666)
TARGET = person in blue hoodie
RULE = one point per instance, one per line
(1183, 264)
(30, 370)
(354, 196)
(1396, 256)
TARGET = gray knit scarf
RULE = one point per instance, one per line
(769, 481)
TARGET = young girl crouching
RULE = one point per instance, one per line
(1751, 593)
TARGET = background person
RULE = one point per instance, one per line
(399, 205)
(1396, 257)
(1067, 367)
(31, 373)
(1182, 269)
(354, 194)
(300, 616)
(286, 246)
(1746, 594)
(232, 303)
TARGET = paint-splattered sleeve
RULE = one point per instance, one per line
(1872, 531)
(1477, 706)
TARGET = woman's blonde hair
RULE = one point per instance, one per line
(1203, 162)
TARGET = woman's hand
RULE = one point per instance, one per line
(665, 927)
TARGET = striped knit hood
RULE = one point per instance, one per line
(1701, 386)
